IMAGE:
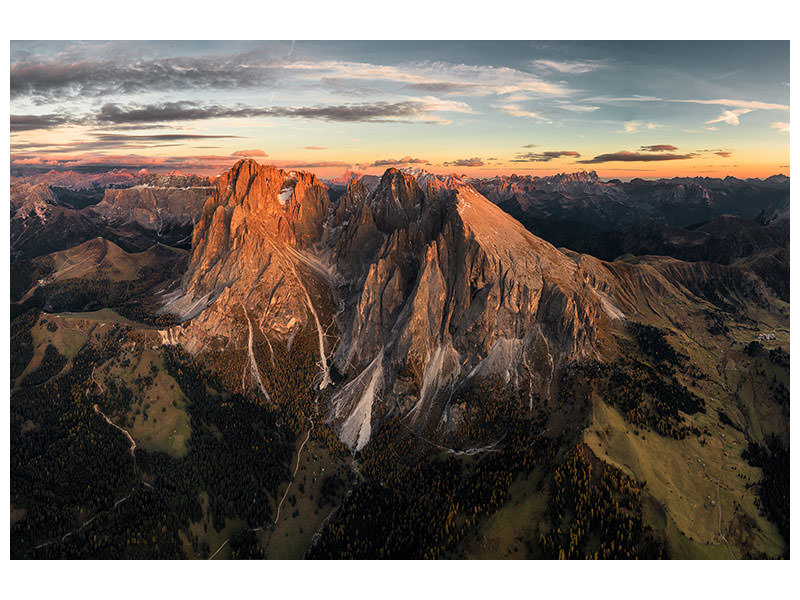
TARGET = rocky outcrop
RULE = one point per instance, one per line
(78, 181)
(158, 209)
(437, 281)
(253, 249)
(413, 292)
(158, 203)
(454, 289)
(39, 225)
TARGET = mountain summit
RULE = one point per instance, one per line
(429, 277)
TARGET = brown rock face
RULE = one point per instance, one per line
(250, 251)
(157, 204)
(439, 280)
(446, 280)
(435, 289)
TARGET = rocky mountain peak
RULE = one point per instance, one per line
(291, 205)
(435, 280)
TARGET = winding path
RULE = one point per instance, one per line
(118, 502)
(291, 481)
(125, 431)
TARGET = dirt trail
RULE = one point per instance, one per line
(125, 431)
(218, 549)
(97, 383)
(291, 481)
(117, 503)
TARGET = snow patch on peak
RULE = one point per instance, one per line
(286, 194)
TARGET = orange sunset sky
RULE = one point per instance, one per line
(623, 109)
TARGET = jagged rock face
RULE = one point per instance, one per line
(369, 181)
(79, 181)
(158, 203)
(437, 289)
(159, 208)
(31, 200)
(40, 225)
(456, 289)
(290, 206)
(247, 246)
(436, 280)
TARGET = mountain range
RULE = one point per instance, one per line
(512, 332)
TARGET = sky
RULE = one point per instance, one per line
(623, 109)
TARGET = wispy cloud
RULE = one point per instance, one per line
(435, 77)
(191, 111)
(731, 117)
(517, 111)
(314, 165)
(249, 153)
(623, 99)
(716, 151)
(91, 77)
(391, 162)
(570, 67)
(158, 137)
(636, 126)
(314, 148)
(780, 126)
(579, 108)
(33, 122)
(659, 148)
(113, 141)
(104, 161)
(419, 109)
(751, 104)
(748, 104)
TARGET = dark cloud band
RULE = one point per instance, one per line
(92, 77)
(465, 162)
(406, 160)
(624, 156)
(544, 156)
(659, 148)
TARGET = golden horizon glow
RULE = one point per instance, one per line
(506, 108)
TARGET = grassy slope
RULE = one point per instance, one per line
(292, 534)
(72, 331)
(681, 484)
(166, 428)
(204, 532)
(102, 259)
(70, 335)
(504, 533)
(726, 378)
